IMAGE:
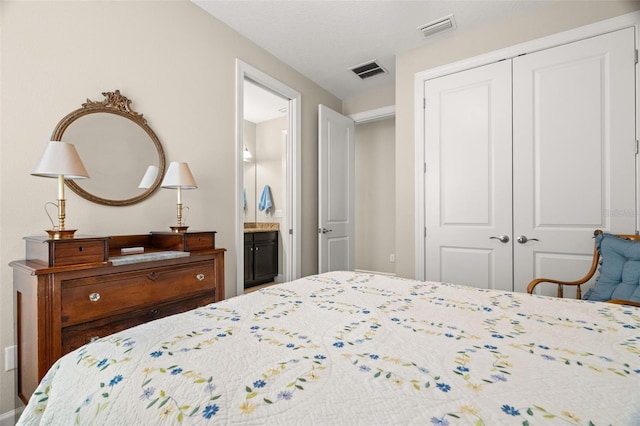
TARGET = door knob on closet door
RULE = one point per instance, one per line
(325, 230)
(523, 239)
(501, 238)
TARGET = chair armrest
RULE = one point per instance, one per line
(594, 267)
(537, 281)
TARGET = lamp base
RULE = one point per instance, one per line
(61, 234)
(179, 229)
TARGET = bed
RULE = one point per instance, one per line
(352, 348)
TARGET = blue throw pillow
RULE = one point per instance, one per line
(619, 276)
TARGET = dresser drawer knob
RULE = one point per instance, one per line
(94, 297)
(154, 312)
(200, 277)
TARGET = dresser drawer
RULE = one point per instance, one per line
(80, 251)
(77, 335)
(184, 241)
(199, 241)
(88, 299)
(67, 251)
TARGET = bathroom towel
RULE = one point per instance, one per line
(265, 200)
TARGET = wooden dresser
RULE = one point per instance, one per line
(68, 292)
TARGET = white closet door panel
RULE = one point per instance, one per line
(573, 151)
(465, 156)
(456, 262)
(468, 177)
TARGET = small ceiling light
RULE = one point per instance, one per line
(437, 26)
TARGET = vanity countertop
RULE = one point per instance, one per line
(251, 227)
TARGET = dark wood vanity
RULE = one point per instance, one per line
(260, 255)
(71, 291)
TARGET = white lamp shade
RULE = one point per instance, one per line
(149, 177)
(179, 176)
(246, 155)
(60, 159)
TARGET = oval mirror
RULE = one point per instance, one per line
(117, 147)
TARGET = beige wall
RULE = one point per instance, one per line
(375, 195)
(539, 22)
(372, 99)
(270, 152)
(249, 169)
(177, 64)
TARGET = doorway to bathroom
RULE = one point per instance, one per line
(267, 167)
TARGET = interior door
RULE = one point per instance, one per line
(574, 153)
(336, 179)
(573, 167)
(468, 177)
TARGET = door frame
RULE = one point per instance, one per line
(420, 164)
(292, 219)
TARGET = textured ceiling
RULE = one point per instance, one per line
(323, 39)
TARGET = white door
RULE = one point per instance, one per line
(468, 177)
(573, 152)
(336, 176)
(573, 163)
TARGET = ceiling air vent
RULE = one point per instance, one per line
(437, 26)
(368, 70)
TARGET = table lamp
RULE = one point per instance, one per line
(179, 177)
(149, 177)
(60, 160)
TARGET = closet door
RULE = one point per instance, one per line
(573, 152)
(468, 177)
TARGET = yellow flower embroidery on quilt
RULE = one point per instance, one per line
(475, 387)
(247, 408)
(468, 409)
(571, 416)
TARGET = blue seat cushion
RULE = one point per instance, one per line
(619, 276)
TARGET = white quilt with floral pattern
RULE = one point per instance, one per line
(349, 348)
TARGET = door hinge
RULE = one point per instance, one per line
(637, 147)
(424, 100)
(636, 56)
(425, 231)
(424, 169)
(290, 231)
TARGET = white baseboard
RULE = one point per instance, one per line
(9, 418)
(389, 274)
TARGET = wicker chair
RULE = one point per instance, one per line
(594, 267)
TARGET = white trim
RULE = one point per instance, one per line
(386, 274)
(292, 218)
(419, 168)
(580, 33)
(374, 114)
(9, 418)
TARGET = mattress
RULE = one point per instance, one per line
(353, 348)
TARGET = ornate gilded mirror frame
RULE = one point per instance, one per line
(119, 105)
